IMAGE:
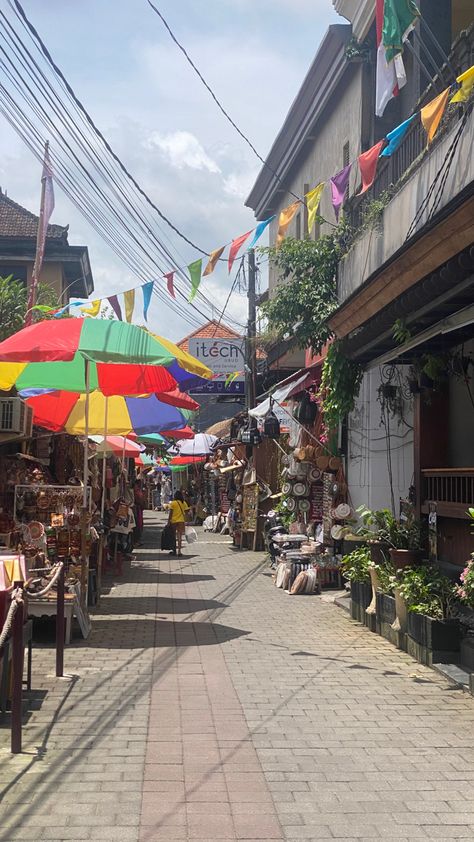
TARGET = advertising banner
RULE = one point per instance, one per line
(226, 359)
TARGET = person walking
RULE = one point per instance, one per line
(178, 509)
(139, 505)
(166, 490)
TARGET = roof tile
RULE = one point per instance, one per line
(16, 221)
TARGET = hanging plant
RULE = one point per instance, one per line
(340, 385)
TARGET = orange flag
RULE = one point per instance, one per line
(368, 165)
(284, 220)
(213, 258)
(432, 113)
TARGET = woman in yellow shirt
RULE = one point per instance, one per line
(177, 519)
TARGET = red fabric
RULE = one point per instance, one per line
(170, 283)
(235, 246)
(176, 398)
(52, 411)
(379, 11)
(43, 342)
(187, 460)
(368, 165)
(117, 379)
(185, 433)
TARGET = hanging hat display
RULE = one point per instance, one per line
(271, 424)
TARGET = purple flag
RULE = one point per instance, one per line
(114, 303)
(46, 209)
(339, 184)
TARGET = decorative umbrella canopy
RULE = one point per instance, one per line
(117, 444)
(149, 438)
(67, 411)
(184, 433)
(201, 445)
(187, 460)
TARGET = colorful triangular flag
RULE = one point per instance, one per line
(313, 199)
(195, 270)
(396, 136)
(129, 301)
(213, 258)
(170, 283)
(466, 81)
(339, 183)
(432, 114)
(368, 165)
(114, 303)
(284, 220)
(147, 290)
(260, 229)
(93, 310)
(236, 245)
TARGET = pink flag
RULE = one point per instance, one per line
(46, 209)
(235, 246)
(368, 165)
(339, 184)
(170, 283)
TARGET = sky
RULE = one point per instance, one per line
(163, 124)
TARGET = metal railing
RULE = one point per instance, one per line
(452, 489)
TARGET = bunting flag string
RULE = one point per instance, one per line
(147, 290)
(431, 116)
(195, 270)
(170, 283)
(129, 301)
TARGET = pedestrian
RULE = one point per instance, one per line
(177, 519)
(166, 490)
(157, 495)
(138, 506)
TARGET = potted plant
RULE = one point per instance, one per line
(430, 598)
(401, 539)
(355, 568)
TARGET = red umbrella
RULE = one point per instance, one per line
(185, 433)
(187, 460)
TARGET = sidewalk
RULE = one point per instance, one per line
(208, 705)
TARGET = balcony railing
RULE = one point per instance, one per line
(391, 170)
(452, 489)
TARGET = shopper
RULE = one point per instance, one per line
(178, 510)
(166, 490)
(139, 505)
(157, 495)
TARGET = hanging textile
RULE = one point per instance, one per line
(195, 270)
(129, 301)
(466, 80)
(313, 199)
(432, 114)
(339, 184)
(284, 220)
(170, 283)
(399, 18)
(114, 303)
(260, 229)
(213, 258)
(93, 310)
(235, 247)
(387, 83)
(396, 136)
(147, 290)
(368, 165)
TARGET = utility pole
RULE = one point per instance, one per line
(251, 351)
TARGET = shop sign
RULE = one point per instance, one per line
(224, 357)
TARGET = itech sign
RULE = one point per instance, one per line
(223, 357)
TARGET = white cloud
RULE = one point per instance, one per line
(182, 149)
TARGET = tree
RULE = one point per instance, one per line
(13, 304)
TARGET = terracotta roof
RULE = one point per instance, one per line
(16, 221)
(210, 330)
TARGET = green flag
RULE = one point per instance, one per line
(195, 270)
(399, 17)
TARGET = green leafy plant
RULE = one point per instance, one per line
(306, 295)
(355, 565)
(400, 331)
(383, 526)
(426, 591)
(465, 590)
(340, 384)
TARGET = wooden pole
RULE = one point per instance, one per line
(84, 558)
(60, 625)
(17, 683)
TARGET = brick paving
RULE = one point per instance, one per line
(208, 705)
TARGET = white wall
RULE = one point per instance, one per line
(367, 463)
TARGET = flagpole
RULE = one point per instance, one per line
(40, 243)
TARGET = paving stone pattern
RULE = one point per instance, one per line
(208, 705)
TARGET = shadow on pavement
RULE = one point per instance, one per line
(142, 634)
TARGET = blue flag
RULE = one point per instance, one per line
(396, 136)
(147, 290)
(260, 229)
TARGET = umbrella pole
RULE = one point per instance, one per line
(102, 543)
(84, 558)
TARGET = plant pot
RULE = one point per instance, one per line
(388, 391)
(405, 558)
(440, 635)
(361, 594)
(385, 608)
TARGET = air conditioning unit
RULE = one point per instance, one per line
(16, 418)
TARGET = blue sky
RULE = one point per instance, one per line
(161, 121)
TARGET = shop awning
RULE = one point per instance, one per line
(283, 392)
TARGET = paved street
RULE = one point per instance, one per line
(208, 705)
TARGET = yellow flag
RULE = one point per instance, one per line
(432, 113)
(313, 199)
(284, 220)
(213, 258)
(129, 301)
(93, 310)
(467, 84)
